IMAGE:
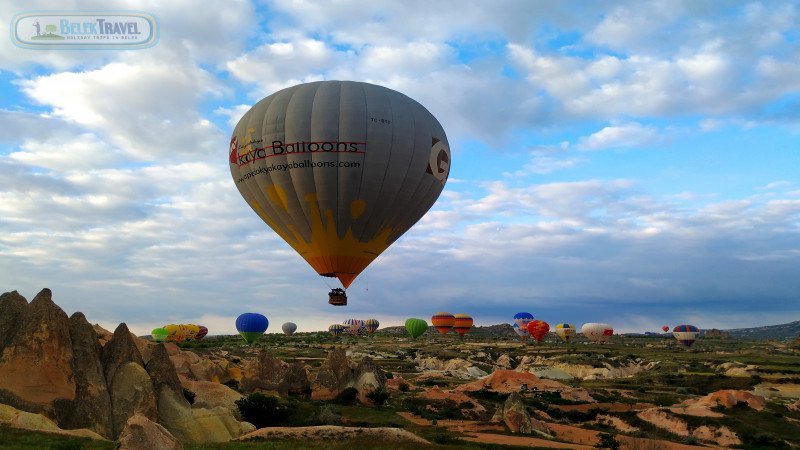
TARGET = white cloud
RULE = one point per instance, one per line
(628, 135)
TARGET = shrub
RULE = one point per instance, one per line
(404, 387)
(681, 390)
(262, 410)
(607, 441)
(389, 375)
(378, 396)
(189, 395)
(329, 416)
(347, 396)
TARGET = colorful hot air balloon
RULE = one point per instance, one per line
(339, 169)
(159, 334)
(463, 323)
(352, 326)
(665, 328)
(289, 328)
(251, 326)
(201, 333)
(565, 331)
(538, 329)
(521, 321)
(371, 325)
(686, 334)
(174, 333)
(443, 321)
(336, 329)
(597, 332)
(190, 331)
(416, 327)
(362, 327)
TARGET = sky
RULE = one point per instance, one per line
(628, 162)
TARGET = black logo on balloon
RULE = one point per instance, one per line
(439, 161)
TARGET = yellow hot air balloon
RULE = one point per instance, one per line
(339, 169)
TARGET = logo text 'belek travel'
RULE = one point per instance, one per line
(52, 30)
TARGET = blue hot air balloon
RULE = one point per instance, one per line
(521, 321)
(251, 326)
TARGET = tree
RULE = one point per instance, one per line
(50, 29)
(607, 441)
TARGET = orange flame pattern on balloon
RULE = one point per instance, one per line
(329, 255)
(538, 329)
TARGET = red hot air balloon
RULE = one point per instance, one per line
(538, 329)
(665, 328)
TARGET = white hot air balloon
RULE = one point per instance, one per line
(289, 328)
(597, 332)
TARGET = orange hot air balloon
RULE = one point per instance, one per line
(538, 329)
(462, 323)
(443, 321)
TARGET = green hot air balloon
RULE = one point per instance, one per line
(159, 334)
(416, 327)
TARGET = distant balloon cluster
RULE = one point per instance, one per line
(354, 327)
(179, 333)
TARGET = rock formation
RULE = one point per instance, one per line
(12, 306)
(91, 407)
(141, 433)
(36, 362)
(338, 373)
(267, 373)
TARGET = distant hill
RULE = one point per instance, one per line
(785, 331)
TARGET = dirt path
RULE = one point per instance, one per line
(606, 407)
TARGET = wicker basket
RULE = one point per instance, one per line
(337, 298)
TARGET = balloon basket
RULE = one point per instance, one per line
(337, 297)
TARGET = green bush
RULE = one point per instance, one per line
(404, 387)
(607, 441)
(347, 396)
(389, 375)
(378, 396)
(262, 410)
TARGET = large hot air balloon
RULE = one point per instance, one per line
(173, 333)
(538, 329)
(201, 333)
(597, 332)
(352, 326)
(665, 328)
(463, 323)
(371, 325)
(686, 334)
(565, 331)
(339, 169)
(521, 321)
(251, 326)
(443, 321)
(190, 331)
(336, 329)
(159, 334)
(416, 327)
(289, 328)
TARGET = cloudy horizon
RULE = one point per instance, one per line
(626, 162)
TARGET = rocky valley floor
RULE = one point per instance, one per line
(66, 383)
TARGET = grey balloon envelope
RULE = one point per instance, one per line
(289, 328)
(339, 169)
